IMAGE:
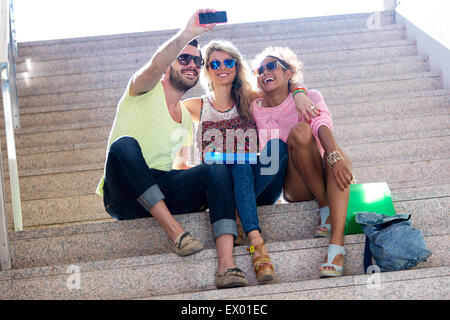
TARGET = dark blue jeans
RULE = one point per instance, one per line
(131, 188)
(259, 184)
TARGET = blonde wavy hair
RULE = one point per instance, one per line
(244, 89)
(286, 57)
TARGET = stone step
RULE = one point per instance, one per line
(94, 158)
(61, 135)
(415, 284)
(85, 182)
(166, 274)
(336, 55)
(382, 85)
(60, 212)
(141, 237)
(314, 74)
(89, 132)
(389, 107)
(308, 53)
(89, 208)
(77, 133)
(44, 50)
(412, 128)
(69, 197)
(411, 104)
(95, 48)
(343, 89)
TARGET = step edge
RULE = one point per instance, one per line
(170, 258)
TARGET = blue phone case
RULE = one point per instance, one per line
(230, 158)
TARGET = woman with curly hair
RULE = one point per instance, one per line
(317, 167)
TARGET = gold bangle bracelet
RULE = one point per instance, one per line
(334, 157)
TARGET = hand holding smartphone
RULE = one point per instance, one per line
(212, 17)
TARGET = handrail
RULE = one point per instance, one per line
(12, 28)
(5, 258)
(11, 146)
(9, 110)
(8, 52)
(12, 66)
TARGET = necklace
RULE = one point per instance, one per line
(221, 109)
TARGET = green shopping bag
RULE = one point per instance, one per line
(367, 197)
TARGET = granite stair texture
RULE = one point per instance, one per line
(45, 50)
(145, 276)
(123, 239)
(248, 45)
(105, 79)
(391, 116)
(400, 285)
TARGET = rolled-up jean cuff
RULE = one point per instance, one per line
(252, 228)
(150, 197)
(225, 226)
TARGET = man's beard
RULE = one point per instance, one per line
(179, 83)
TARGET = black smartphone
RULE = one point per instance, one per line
(212, 17)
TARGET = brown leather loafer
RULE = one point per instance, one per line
(185, 245)
(231, 278)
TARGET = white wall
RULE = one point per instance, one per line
(428, 21)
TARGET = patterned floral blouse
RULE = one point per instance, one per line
(224, 131)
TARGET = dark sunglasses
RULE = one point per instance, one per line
(185, 59)
(229, 63)
(270, 66)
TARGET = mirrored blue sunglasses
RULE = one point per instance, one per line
(229, 63)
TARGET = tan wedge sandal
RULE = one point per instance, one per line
(262, 264)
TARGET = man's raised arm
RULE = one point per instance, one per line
(148, 76)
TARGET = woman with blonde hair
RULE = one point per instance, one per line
(226, 108)
(317, 166)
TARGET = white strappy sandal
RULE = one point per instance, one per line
(333, 251)
(324, 213)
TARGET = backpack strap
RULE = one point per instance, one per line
(367, 255)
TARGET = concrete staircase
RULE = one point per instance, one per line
(391, 115)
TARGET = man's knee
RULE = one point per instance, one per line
(124, 144)
(300, 135)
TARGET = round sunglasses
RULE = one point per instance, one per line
(270, 66)
(229, 63)
(185, 59)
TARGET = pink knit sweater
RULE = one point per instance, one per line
(284, 116)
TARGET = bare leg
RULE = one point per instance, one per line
(305, 163)
(338, 201)
(305, 181)
(305, 176)
(162, 214)
(224, 247)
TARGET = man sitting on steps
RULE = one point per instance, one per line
(139, 179)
